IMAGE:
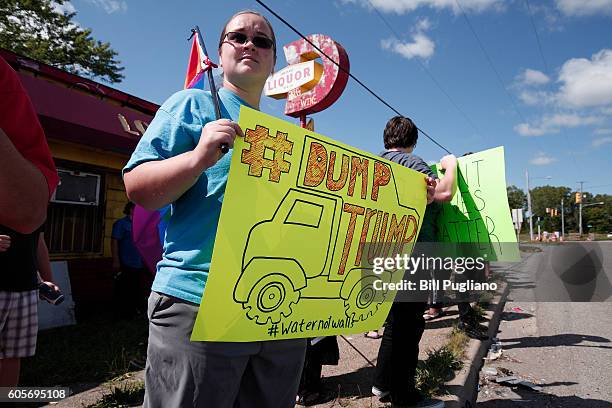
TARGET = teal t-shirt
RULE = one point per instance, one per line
(191, 230)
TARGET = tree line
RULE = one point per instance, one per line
(596, 218)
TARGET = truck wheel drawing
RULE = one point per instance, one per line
(364, 300)
(271, 299)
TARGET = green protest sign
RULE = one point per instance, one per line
(479, 211)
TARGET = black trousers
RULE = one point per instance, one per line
(325, 352)
(399, 351)
(129, 296)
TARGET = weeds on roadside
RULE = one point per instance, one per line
(441, 364)
(122, 396)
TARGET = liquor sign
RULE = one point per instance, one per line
(304, 76)
(308, 85)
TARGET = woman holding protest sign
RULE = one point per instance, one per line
(179, 161)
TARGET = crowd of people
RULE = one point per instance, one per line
(179, 162)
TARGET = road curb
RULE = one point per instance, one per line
(462, 388)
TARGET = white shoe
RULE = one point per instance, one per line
(427, 403)
(380, 393)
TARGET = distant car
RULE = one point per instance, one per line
(609, 234)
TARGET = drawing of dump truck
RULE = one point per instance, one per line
(306, 250)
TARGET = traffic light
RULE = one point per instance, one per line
(578, 198)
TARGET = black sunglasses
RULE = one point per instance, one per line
(258, 41)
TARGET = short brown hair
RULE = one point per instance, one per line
(222, 38)
(400, 132)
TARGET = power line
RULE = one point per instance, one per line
(364, 86)
(431, 76)
(498, 76)
(546, 71)
(537, 36)
(484, 51)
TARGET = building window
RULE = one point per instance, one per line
(76, 228)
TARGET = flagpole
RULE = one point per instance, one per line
(213, 88)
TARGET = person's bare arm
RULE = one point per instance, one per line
(431, 189)
(447, 185)
(24, 193)
(5, 243)
(44, 265)
(155, 184)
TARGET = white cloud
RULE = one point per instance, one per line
(603, 131)
(111, 6)
(542, 159)
(66, 8)
(530, 97)
(583, 83)
(554, 123)
(571, 120)
(586, 83)
(526, 81)
(585, 7)
(421, 46)
(423, 25)
(601, 141)
(407, 6)
(525, 129)
(533, 77)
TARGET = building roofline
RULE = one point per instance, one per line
(75, 81)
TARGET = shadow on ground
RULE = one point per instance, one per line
(568, 339)
(534, 399)
(356, 384)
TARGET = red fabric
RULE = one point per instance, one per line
(193, 67)
(20, 123)
(197, 58)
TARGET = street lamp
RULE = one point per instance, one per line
(588, 205)
(529, 201)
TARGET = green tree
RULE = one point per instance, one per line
(516, 197)
(598, 216)
(38, 30)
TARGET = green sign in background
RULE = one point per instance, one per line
(479, 212)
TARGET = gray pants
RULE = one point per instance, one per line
(182, 373)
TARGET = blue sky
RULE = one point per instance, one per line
(551, 110)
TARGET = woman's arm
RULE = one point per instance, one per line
(24, 193)
(155, 184)
(44, 265)
(447, 186)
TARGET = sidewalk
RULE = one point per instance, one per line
(352, 377)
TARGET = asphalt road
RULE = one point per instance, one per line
(564, 346)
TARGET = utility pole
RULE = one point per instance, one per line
(562, 221)
(580, 209)
(529, 207)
